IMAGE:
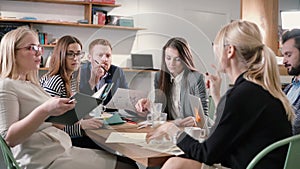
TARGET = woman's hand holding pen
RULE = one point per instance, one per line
(213, 83)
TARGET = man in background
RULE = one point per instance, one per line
(99, 70)
(291, 60)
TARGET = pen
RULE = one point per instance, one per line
(142, 126)
(129, 120)
(71, 101)
(101, 66)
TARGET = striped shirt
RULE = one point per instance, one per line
(55, 86)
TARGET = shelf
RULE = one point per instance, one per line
(48, 46)
(65, 23)
(74, 2)
(124, 69)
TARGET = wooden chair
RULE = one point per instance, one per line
(292, 160)
(7, 159)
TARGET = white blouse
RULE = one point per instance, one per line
(176, 88)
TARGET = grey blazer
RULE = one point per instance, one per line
(193, 84)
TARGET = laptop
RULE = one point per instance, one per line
(198, 111)
(142, 61)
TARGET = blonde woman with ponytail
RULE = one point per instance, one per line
(251, 115)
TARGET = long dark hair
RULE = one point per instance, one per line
(185, 55)
(58, 61)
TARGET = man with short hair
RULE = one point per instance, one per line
(291, 60)
(99, 70)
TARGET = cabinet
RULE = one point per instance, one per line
(87, 15)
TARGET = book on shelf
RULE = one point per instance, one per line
(43, 38)
(99, 15)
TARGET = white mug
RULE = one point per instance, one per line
(196, 132)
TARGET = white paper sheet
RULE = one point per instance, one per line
(165, 146)
(125, 137)
(125, 99)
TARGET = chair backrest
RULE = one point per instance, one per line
(7, 159)
(292, 158)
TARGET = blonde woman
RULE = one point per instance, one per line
(24, 107)
(251, 115)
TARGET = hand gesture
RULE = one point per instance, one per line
(96, 73)
(92, 123)
(213, 82)
(167, 130)
(57, 106)
(186, 122)
(142, 107)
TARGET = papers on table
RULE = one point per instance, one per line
(140, 139)
(125, 99)
(124, 137)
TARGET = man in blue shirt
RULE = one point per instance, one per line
(291, 60)
(99, 70)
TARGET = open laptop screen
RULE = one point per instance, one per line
(141, 61)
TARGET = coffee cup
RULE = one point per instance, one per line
(196, 132)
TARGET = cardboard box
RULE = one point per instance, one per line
(125, 21)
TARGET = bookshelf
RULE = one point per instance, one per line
(88, 7)
(53, 22)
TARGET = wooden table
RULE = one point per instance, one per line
(146, 157)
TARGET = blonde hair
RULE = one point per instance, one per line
(259, 59)
(10, 42)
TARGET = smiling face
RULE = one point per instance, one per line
(28, 54)
(291, 57)
(173, 61)
(72, 57)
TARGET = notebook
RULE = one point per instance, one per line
(84, 105)
(142, 61)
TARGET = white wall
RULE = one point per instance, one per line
(196, 20)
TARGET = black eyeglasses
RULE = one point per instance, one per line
(35, 48)
(72, 55)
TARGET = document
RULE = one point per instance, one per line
(84, 105)
(125, 99)
(125, 137)
(162, 146)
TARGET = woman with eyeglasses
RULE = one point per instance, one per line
(62, 80)
(24, 107)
